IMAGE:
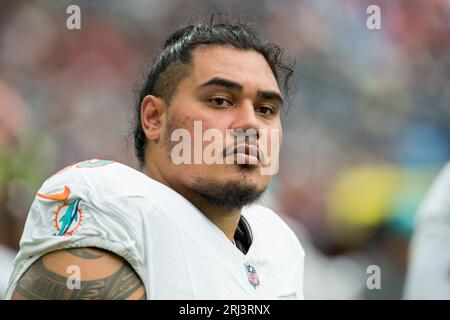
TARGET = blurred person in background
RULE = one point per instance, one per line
(429, 262)
(17, 175)
(25, 158)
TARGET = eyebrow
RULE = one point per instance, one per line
(264, 94)
(223, 83)
(270, 95)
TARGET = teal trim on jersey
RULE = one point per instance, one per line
(98, 163)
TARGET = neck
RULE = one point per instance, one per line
(225, 219)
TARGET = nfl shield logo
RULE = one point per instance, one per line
(252, 275)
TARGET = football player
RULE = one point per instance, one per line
(175, 230)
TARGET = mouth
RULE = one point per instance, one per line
(245, 154)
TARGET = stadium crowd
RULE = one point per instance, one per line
(366, 133)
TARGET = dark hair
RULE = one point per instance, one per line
(174, 62)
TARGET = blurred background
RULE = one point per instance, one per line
(367, 132)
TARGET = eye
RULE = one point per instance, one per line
(265, 110)
(222, 102)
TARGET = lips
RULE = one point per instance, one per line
(247, 152)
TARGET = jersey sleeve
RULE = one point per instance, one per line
(429, 266)
(77, 209)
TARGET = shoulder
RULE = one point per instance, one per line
(105, 178)
(108, 181)
(441, 185)
(436, 203)
(270, 226)
(267, 218)
(88, 191)
(103, 185)
(99, 196)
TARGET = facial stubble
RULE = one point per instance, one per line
(231, 194)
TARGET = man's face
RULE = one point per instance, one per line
(227, 90)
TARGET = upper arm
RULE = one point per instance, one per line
(81, 273)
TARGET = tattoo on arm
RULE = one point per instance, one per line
(85, 253)
(143, 297)
(40, 283)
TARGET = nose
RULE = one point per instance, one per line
(245, 118)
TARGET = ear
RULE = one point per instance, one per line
(152, 111)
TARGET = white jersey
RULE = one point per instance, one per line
(429, 269)
(176, 250)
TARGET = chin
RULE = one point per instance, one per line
(230, 192)
(254, 180)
